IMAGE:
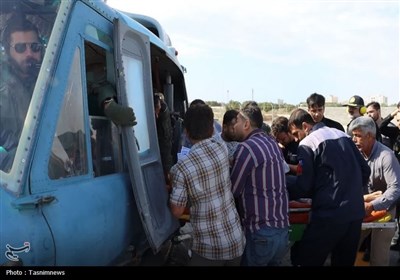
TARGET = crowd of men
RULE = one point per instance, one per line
(348, 174)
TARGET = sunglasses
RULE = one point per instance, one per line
(21, 47)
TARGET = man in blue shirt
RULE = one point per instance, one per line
(333, 174)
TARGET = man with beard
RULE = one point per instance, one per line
(20, 66)
(23, 56)
(259, 187)
(228, 132)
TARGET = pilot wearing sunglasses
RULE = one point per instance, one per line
(20, 65)
(23, 48)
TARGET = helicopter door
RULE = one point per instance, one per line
(132, 52)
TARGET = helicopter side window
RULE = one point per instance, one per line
(105, 140)
(69, 153)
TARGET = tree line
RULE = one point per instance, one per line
(269, 106)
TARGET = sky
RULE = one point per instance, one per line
(279, 49)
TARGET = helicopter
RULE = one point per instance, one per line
(75, 188)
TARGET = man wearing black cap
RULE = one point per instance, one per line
(356, 108)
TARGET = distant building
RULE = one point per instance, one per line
(331, 99)
(378, 98)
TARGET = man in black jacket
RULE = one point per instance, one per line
(316, 108)
(334, 175)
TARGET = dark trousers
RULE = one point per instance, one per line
(322, 238)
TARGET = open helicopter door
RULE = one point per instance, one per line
(132, 53)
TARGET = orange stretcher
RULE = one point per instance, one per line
(299, 216)
(378, 219)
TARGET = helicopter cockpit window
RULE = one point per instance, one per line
(69, 153)
(25, 27)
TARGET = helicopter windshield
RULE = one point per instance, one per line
(26, 27)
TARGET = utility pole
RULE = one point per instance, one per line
(252, 94)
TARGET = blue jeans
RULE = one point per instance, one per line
(265, 247)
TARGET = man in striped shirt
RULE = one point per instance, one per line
(259, 186)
